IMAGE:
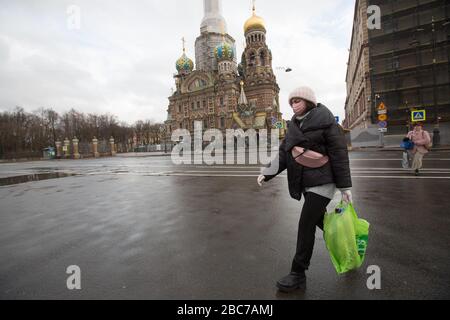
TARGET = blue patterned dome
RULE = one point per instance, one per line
(184, 64)
(224, 52)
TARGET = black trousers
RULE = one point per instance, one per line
(313, 214)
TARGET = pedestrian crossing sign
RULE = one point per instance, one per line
(418, 115)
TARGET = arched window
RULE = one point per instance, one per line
(252, 59)
(262, 57)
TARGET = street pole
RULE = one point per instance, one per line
(407, 116)
(377, 96)
(165, 141)
(165, 138)
(436, 131)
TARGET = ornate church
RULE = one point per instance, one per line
(219, 92)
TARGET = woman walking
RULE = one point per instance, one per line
(313, 128)
(422, 143)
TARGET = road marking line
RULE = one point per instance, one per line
(400, 177)
(180, 174)
(284, 176)
(393, 169)
(251, 172)
(396, 159)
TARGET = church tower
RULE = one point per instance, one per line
(257, 57)
(213, 33)
(256, 68)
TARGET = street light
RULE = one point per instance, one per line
(377, 96)
(286, 69)
(436, 131)
(433, 41)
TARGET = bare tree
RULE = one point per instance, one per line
(28, 133)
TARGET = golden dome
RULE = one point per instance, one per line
(255, 22)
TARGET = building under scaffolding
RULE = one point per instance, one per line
(405, 64)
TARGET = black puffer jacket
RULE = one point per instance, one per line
(319, 133)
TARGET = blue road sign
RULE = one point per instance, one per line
(419, 115)
(337, 119)
(382, 124)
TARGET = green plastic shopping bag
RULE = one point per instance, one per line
(346, 237)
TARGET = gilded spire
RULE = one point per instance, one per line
(254, 22)
(243, 99)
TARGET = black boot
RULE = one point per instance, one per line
(417, 172)
(292, 282)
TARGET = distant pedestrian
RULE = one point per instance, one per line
(408, 147)
(422, 145)
(317, 170)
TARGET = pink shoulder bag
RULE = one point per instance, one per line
(308, 158)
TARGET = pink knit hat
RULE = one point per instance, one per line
(305, 93)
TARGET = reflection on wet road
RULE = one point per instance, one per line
(143, 228)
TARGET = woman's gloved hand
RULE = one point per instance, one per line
(261, 180)
(347, 196)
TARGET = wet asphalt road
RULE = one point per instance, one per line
(142, 228)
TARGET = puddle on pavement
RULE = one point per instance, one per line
(34, 177)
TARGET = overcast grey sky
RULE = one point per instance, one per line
(122, 59)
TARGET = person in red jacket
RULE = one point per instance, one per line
(422, 144)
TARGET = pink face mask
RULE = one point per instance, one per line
(299, 107)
